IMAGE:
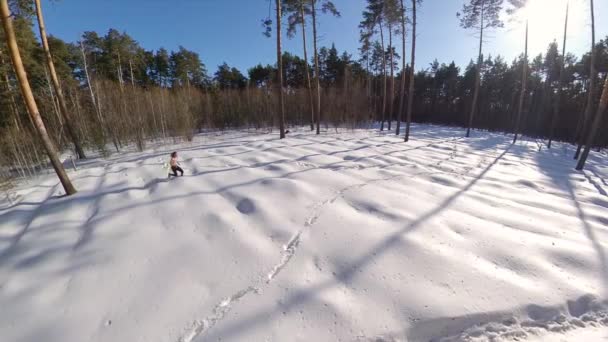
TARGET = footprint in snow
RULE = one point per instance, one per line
(245, 206)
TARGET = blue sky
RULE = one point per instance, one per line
(230, 30)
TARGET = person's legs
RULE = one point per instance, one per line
(180, 170)
(174, 169)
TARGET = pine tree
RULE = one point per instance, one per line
(479, 15)
(298, 10)
(28, 96)
(373, 17)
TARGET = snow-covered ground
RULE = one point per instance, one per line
(350, 236)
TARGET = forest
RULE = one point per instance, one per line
(106, 91)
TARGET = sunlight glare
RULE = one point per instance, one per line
(546, 21)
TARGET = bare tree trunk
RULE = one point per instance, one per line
(281, 111)
(307, 69)
(402, 89)
(385, 80)
(599, 116)
(524, 83)
(591, 96)
(477, 73)
(317, 81)
(58, 91)
(28, 96)
(391, 96)
(558, 101)
(410, 101)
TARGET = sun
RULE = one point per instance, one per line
(546, 22)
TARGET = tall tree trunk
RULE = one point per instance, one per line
(55, 80)
(28, 96)
(385, 80)
(477, 72)
(280, 74)
(562, 66)
(524, 83)
(410, 95)
(402, 88)
(597, 122)
(591, 96)
(317, 81)
(307, 69)
(391, 96)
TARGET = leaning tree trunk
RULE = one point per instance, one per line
(558, 101)
(410, 95)
(317, 81)
(29, 100)
(524, 83)
(63, 108)
(599, 116)
(384, 76)
(591, 95)
(281, 110)
(307, 69)
(402, 88)
(477, 73)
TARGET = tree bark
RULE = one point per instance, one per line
(591, 95)
(280, 74)
(28, 96)
(410, 96)
(477, 73)
(391, 96)
(318, 83)
(558, 101)
(307, 69)
(55, 80)
(402, 89)
(524, 83)
(599, 116)
(384, 76)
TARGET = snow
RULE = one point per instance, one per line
(352, 236)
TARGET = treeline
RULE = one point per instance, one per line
(119, 93)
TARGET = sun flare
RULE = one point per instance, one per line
(546, 22)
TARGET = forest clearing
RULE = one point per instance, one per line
(379, 194)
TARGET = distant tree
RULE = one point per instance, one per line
(28, 96)
(187, 69)
(229, 78)
(261, 75)
(479, 15)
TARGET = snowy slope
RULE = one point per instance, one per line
(351, 236)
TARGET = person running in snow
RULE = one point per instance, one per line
(175, 165)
